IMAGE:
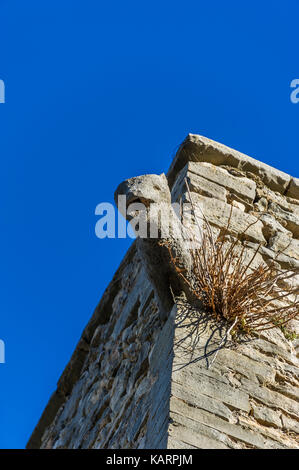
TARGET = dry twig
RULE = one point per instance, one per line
(250, 298)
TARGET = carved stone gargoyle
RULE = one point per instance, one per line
(149, 195)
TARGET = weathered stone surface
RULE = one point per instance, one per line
(218, 212)
(272, 227)
(266, 416)
(195, 418)
(293, 190)
(188, 393)
(277, 440)
(214, 389)
(292, 249)
(132, 381)
(269, 397)
(243, 187)
(179, 444)
(290, 424)
(203, 186)
(281, 242)
(197, 148)
(189, 429)
(285, 261)
(252, 369)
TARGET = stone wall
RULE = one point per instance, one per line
(131, 383)
(115, 391)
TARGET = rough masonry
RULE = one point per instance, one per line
(130, 382)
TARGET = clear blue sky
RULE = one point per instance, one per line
(97, 92)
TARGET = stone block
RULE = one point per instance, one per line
(293, 190)
(266, 416)
(195, 418)
(217, 213)
(288, 219)
(243, 187)
(290, 424)
(213, 389)
(197, 148)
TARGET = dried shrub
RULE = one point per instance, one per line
(249, 298)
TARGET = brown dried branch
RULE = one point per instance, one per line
(247, 296)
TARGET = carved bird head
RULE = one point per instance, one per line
(145, 189)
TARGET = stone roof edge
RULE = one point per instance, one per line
(198, 148)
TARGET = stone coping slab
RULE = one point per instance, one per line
(197, 148)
